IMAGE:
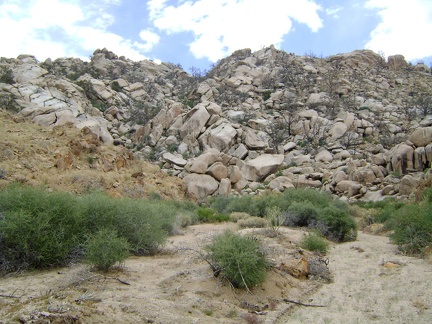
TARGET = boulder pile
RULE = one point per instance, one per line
(353, 124)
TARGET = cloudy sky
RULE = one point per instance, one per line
(199, 32)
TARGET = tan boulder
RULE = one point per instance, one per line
(348, 188)
(224, 187)
(200, 186)
(422, 136)
(402, 157)
(409, 185)
(260, 167)
(194, 122)
(396, 62)
(202, 162)
(280, 183)
(218, 171)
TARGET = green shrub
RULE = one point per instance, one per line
(210, 215)
(104, 249)
(41, 229)
(37, 229)
(301, 214)
(412, 228)
(314, 242)
(253, 222)
(241, 260)
(336, 224)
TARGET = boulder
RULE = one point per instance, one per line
(348, 188)
(222, 137)
(200, 186)
(171, 158)
(318, 99)
(402, 157)
(260, 167)
(234, 174)
(224, 187)
(422, 136)
(198, 118)
(97, 128)
(253, 142)
(324, 156)
(408, 185)
(338, 130)
(202, 162)
(397, 62)
(280, 183)
(218, 171)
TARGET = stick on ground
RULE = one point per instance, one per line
(302, 304)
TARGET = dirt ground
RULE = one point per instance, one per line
(371, 283)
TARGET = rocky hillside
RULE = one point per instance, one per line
(354, 124)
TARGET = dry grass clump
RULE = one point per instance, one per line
(236, 216)
(253, 222)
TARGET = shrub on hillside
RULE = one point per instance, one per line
(239, 259)
(314, 242)
(105, 249)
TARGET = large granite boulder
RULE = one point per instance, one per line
(200, 186)
(260, 167)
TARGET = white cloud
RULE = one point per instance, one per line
(61, 28)
(334, 12)
(150, 38)
(222, 26)
(404, 28)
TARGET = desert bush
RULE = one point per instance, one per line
(239, 259)
(301, 214)
(210, 215)
(228, 205)
(184, 219)
(145, 224)
(236, 216)
(105, 249)
(41, 229)
(300, 207)
(314, 242)
(412, 228)
(340, 226)
(38, 229)
(253, 222)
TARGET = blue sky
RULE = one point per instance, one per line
(199, 32)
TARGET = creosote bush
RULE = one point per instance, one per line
(41, 229)
(241, 260)
(105, 249)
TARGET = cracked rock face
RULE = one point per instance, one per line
(352, 124)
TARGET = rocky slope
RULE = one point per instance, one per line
(353, 124)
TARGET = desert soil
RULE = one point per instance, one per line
(371, 283)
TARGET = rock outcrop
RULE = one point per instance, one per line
(352, 124)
